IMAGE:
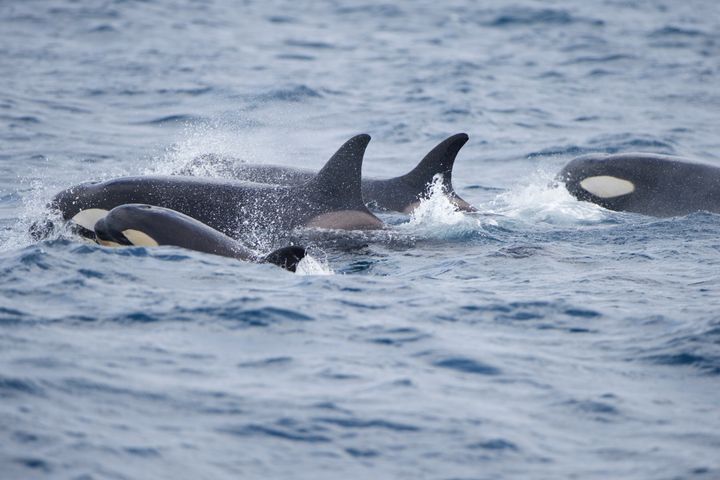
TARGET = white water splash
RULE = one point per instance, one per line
(36, 193)
(542, 199)
(310, 265)
(437, 217)
(199, 139)
(236, 136)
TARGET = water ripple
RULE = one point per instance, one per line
(283, 430)
(544, 16)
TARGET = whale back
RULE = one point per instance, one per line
(404, 193)
(331, 199)
(401, 193)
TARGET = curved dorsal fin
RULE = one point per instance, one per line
(340, 178)
(439, 160)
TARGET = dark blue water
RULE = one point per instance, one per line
(542, 338)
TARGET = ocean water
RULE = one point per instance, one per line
(539, 338)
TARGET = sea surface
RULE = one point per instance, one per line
(540, 338)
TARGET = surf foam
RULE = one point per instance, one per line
(542, 199)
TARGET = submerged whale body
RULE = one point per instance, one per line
(401, 194)
(330, 199)
(646, 183)
(149, 226)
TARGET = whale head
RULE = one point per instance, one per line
(595, 179)
(647, 183)
(144, 225)
(125, 225)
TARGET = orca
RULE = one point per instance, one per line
(151, 226)
(330, 199)
(646, 183)
(401, 194)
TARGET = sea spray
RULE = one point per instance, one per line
(437, 217)
(542, 199)
(314, 266)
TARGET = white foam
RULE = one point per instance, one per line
(35, 196)
(37, 189)
(541, 199)
(437, 217)
(309, 265)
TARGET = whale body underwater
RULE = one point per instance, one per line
(645, 183)
(400, 194)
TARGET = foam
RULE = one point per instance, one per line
(310, 265)
(437, 217)
(542, 199)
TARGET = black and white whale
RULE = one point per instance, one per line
(647, 183)
(330, 199)
(151, 226)
(401, 194)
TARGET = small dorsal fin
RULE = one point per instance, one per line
(340, 178)
(439, 160)
(286, 257)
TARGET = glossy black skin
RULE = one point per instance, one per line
(223, 205)
(665, 186)
(168, 227)
(399, 194)
(227, 205)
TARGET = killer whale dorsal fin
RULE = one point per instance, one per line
(439, 160)
(341, 177)
(286, 257)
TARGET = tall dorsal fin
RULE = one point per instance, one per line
(340, 178)
(439, 160)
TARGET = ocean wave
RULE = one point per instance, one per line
(315, 45)
(466, 365)
(603, 59)
(351, 423)
(601, 410)
(177, 118)
(387, 10)
(298, 93)
(697, 350)
(286, 429)
(709, 364)
(396, 337)
(541, 315)
(613, 143)
(517, 17)
(675, 31)
(11, 387)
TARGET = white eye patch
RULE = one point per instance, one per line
(88, 218)
(139, 239)
(605, 186)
